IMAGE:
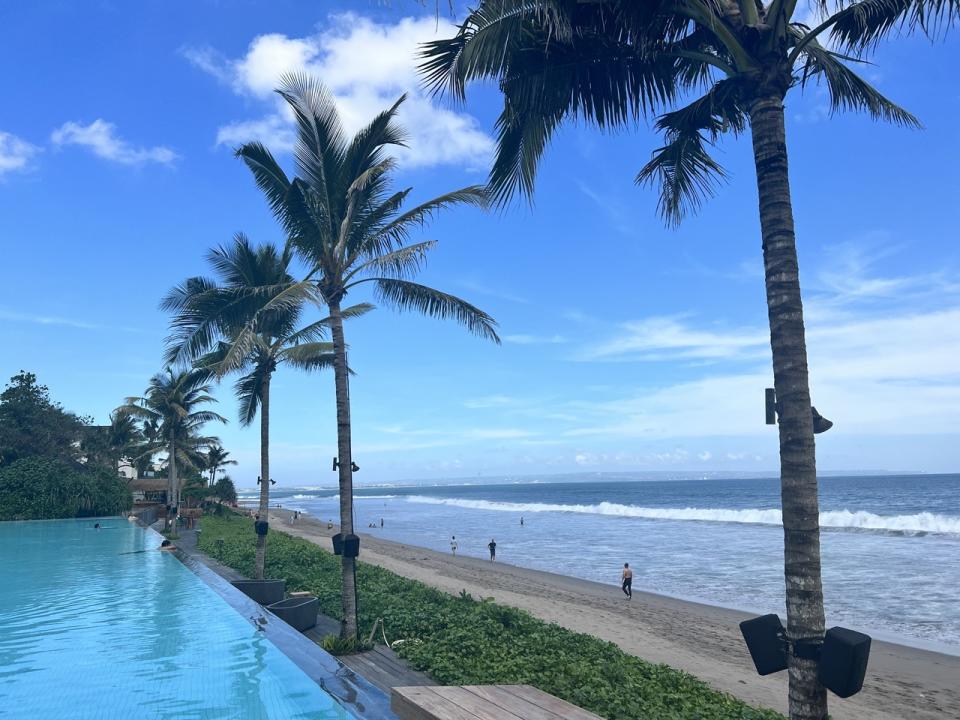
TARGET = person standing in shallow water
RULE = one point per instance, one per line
(453, 545)
(627, 578)
(492, 545)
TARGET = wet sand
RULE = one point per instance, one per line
(902, 682)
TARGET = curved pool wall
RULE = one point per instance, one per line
(99, 624)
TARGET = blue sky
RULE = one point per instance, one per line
(627, 346)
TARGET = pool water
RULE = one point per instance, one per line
(99, 624)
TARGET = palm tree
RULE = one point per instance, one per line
(614, 62)
(348, 226)
(246, 320)
(172, 402)
(217, 457)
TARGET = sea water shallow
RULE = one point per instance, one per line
(890, 544)
(91, 628)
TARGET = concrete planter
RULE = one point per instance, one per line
(298, 612)
(264, 592)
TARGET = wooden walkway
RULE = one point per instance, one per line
(482, 702)
(380, 666)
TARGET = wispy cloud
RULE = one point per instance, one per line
(669, 338)
(36, 319)
(100, 137)
(489, 401)
(388, 69)
(483, 289)
(535, 339)
(15, 153)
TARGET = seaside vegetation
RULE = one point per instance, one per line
(460, 640)
(54, 463)
(40, 488)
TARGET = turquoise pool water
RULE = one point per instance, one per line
(90, 633)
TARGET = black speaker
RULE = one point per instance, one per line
(766, 641)
(351, 545)
(261, 527)
(843, 661)
(337, 544)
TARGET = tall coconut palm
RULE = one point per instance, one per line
(347, 224)
(173, 401)
(247, 320)
(217, 457)
(614, 62)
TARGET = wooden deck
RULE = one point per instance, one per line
(482, 702)
(380, 666)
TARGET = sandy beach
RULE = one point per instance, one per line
(701, 639)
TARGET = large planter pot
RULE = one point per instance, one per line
(264, 592)
(298, 612)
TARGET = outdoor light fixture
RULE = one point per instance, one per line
(353, 466)
(841, 656)
(820, 423)
(261, 526)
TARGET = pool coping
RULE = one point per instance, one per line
(354, 692)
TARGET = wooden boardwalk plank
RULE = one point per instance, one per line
(510, 703)
(422, 703)
(468, 701)
(561, 707)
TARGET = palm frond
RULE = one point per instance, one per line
(269, 176)
(404, 262)
(406, 295)
(861, 25)
(849, 91)
(308, 356)
(249, 392)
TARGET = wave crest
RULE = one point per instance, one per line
(923, 522)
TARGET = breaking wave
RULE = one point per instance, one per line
(919, 523)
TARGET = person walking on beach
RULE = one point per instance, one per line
(493, 549)
(453, 545)
(627, 578)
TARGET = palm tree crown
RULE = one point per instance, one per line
(341, 215)
(614, 62)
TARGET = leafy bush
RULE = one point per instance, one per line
(463, 641)
(42, 488)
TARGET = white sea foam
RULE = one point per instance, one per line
(924, 522)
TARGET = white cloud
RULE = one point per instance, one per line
(535, 339)
(15, 316)
(667, 338)
(367, 66)
(101, 138)
(15, 153)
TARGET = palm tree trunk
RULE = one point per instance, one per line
(798, 465)
(348, 595)
(261, 557)
(173, 496)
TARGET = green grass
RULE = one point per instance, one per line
(463, 641)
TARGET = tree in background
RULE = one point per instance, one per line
(217, 457)
(32, 425)
(225, 491)
(348, 226)
(173, 401)
(612, 63)
(247, 320)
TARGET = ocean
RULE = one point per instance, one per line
(890, 544)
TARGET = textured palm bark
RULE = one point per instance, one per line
(348, 595)
(261, 555)
(798, 466)
(173, 484)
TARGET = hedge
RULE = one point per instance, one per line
(41, 489)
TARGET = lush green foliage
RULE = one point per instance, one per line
(459, 640)
(32, 425)
(44, 488)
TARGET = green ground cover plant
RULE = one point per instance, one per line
(459, 640)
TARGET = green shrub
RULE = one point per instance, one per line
(42, 488)
(458, 640)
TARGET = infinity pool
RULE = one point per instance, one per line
(100, 625)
